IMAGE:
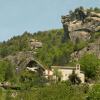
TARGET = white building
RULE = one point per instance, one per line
(66, 71)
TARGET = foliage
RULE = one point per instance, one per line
(80, 45)
(18, 43)
(1, 93)
(74, 79)
(97, 34)
(79, 15)
(29, 79)
(60, 91)
(56, 50)
(10, 72)
(57, 74)
(90, 65)
(6, 70)
(96, 9)
(94, 93)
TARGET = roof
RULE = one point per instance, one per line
(66, 67)
(63, 67)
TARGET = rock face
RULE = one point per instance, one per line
(24, 60)
(82, 28)
(35, 44)
(92, 48)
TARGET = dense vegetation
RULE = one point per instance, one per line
(31, 85)
(53, 49)
(61, 91)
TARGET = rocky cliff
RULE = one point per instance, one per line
(91, 48)
(82, 27)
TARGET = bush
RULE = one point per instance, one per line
(94, 93)
(90, 65)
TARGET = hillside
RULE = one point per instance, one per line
(51, 45)
(77, 42)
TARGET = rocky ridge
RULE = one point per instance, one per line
(82, 28)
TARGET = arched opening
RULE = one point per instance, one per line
(32, 63)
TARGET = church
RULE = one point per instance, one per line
(66, 71)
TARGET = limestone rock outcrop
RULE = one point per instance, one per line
(22, 60)
(82, 28)
(92, 48)
(35, 44)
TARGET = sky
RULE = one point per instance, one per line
(18, 16)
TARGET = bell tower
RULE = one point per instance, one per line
(77, 68)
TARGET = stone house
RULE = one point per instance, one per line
(65, 72)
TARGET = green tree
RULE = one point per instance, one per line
(3, 51)
(29, 79)
(90, 65)
(74, 79)
(3, 68)
(10, 72)
(94, 93)
(57, 74)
